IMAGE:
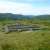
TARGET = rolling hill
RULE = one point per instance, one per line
(9, 16)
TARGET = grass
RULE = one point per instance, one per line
(35, 40)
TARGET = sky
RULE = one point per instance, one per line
(25, 7)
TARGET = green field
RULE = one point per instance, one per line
(35, 40)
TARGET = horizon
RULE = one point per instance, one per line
(25, 14)
(25, 7)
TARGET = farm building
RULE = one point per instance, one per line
(20, 27)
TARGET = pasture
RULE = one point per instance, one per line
(26, 40)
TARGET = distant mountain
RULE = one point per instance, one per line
(47, 17)
(4, 16)
(9, 16)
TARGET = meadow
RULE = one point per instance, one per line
(26, 40)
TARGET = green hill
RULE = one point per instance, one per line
(9, 16)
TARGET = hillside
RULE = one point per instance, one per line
(9, 16)
(43, 17)
(25, 40)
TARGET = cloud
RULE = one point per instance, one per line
(27, 1)
(14, 7)
(22, 8)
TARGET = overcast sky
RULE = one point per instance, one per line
(25, 7)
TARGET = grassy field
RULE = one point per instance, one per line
(35, 40)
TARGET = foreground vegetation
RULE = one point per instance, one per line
(35, 40)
